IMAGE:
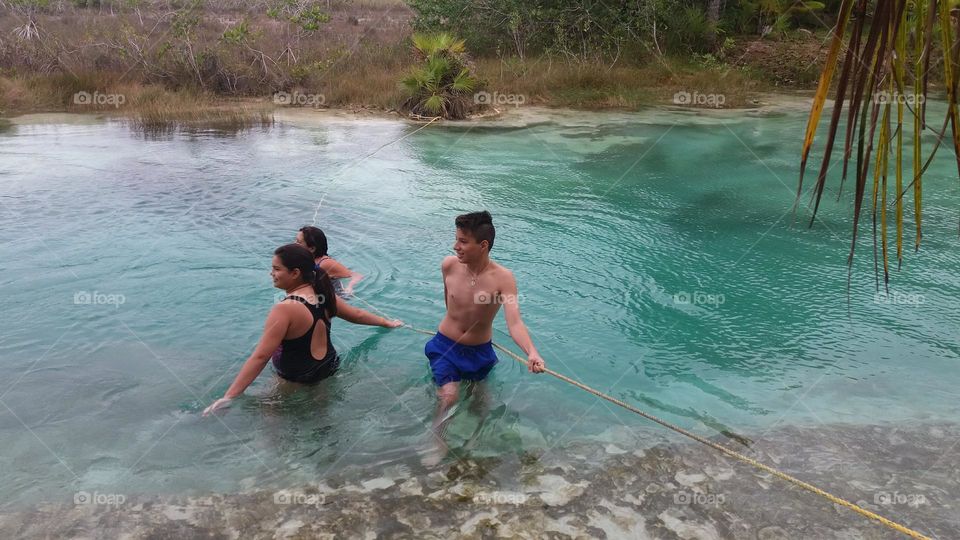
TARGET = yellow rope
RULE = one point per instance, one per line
(731, 453)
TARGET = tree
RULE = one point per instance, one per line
(443, 86)
(713, 20)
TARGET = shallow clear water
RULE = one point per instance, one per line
(606, 220)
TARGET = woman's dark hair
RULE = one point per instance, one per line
(295, 256)
(315, 240)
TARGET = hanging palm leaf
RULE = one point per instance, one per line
(874, 74)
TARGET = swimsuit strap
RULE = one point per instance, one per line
(314, 308)
(300, 299)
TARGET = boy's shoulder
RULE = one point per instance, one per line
(502, 271)
(448, 262)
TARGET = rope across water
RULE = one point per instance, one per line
(316, 211)
(720, 448)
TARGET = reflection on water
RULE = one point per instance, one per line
(624, 232)
(228, 127)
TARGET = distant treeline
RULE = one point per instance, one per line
(356, 52)
(585, 27)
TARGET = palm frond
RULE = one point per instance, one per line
(434, 103)
(464, 83)
(897, 43)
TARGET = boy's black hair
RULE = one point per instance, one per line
(479, 225)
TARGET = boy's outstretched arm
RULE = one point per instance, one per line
(518, 330)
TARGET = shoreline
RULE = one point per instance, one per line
(515, 117)
(588, 489)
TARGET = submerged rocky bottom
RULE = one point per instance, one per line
(599, 489)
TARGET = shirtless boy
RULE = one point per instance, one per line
(474, 289)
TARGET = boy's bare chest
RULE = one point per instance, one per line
(463, 288)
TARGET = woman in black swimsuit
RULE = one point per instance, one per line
(297, 332)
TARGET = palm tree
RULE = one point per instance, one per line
(885, 75)
(443, 86)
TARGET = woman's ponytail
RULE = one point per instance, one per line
(323, 286)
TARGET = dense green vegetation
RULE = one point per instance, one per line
(586, 28)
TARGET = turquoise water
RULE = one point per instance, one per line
(609, 222)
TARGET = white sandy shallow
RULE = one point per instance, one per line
(504, 117)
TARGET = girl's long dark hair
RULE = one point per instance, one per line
(315, 240)
(295, 256)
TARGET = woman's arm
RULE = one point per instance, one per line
(334, 269)
(354, 279)
(358, 316)
(274, 330)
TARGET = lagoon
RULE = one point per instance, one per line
(654, 252)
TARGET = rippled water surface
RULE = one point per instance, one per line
(654, 252)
